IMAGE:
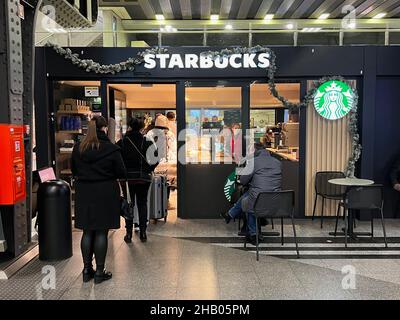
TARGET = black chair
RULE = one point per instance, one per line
(279, 204)
(327, 190)
(363, 198)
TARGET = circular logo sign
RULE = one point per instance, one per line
(229, 187)
(333, 100)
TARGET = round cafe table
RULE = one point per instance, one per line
(351, 182)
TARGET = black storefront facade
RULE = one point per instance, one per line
(200, 187)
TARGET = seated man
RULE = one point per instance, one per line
(263, 173)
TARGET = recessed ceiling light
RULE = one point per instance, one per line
(269, 17)
(160, 17)
(229, 27)
(174, 30)
(214, 17)
(324, 16)
(380, 15)
(290, 26)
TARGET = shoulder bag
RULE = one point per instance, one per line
(127, 207)
(139, 176)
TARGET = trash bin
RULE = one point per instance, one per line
(54, 220)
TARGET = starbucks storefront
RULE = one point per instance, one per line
(217, 100)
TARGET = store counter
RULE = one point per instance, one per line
(284, 154)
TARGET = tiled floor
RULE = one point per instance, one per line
(169, 266)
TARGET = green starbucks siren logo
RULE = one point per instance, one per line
(334, 100)
(229, 187)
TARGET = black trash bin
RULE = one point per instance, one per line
(54, 220)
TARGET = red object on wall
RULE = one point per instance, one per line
(12, 164)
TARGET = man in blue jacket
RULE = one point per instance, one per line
(262, 173)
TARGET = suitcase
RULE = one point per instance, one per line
(157, 198)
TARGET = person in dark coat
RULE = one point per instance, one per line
(137, 159)
(395, 175)
(96, 165)
(262, 173)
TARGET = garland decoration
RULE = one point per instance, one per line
(91, 66)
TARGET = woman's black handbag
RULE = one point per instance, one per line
(127, 207)
(139, 176)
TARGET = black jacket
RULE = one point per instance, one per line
(395, 172)
(101, 164)
(97, 194)
(134, 162)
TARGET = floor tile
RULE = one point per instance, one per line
(198, 293)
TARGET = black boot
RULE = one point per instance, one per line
(253, 239)
(143, 236)
(128, 236)
(101, 275)
(226, 217)
(88, 273)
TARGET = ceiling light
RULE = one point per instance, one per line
(324, 16)
(168, 28)
(162, 29)
(160, 17)
(380, 15)
(311, 29)
(174, 30)
(269, 17)
(214, 17)
(228, 27)
(351, 25)
(290, 26)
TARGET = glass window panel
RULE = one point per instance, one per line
(150, 38)
(267, 114)
(228, 39)
(360, 38)
(272, 39)
(213, 124)
(394, 37)
(182, 39)
(318, 38)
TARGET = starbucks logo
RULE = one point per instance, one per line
(333, 100)
(229, 187)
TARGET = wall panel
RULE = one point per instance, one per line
(328, 149)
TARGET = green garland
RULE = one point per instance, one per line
(91, 66)
(130, 64)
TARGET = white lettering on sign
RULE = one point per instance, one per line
(194, 61)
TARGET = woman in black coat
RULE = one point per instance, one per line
(96, 165)
(135, 147)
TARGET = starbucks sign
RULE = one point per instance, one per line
(229, 187)
(333, 100)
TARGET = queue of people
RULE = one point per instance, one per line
(97, 164)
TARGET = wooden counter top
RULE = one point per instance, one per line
(284, 155)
